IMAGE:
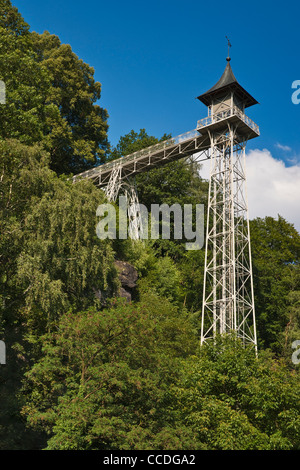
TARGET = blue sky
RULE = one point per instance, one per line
(154, 58)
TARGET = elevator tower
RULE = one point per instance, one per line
(228, 300)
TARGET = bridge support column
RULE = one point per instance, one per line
(118, 185)
(135, 226)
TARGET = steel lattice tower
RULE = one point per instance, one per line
(228, 300)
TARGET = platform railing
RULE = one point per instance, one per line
(225, 114)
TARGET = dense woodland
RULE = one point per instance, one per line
(86, 369)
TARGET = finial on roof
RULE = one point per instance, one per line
(229, 45)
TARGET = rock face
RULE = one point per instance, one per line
(127, 276)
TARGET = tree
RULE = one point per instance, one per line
(132, 142)
(235, 401)
(276, 253)
(292, 331)
(51, 255)
(51, 260)
(103, 378)
(26, 83)
(51, 96)
(11, 19)
(76, 138)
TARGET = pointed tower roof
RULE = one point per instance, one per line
(227, 81)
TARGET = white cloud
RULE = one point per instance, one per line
(272, 187)
(285, 148)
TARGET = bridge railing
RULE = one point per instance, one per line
(157, 147)
(143, 152)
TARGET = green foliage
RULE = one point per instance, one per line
(51, 253)
(51, 259)
(76, 128)
(235, 401)
(276, 254)
(11, 19)
(102, 380)
(62, 260)
(192, 275)
(291, 332)
(26, 86)
(24, 174)
(130, 379)
(51, 96)
(132, 142)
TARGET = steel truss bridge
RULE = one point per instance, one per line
(196, 141)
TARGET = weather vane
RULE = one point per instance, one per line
(229, 46)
